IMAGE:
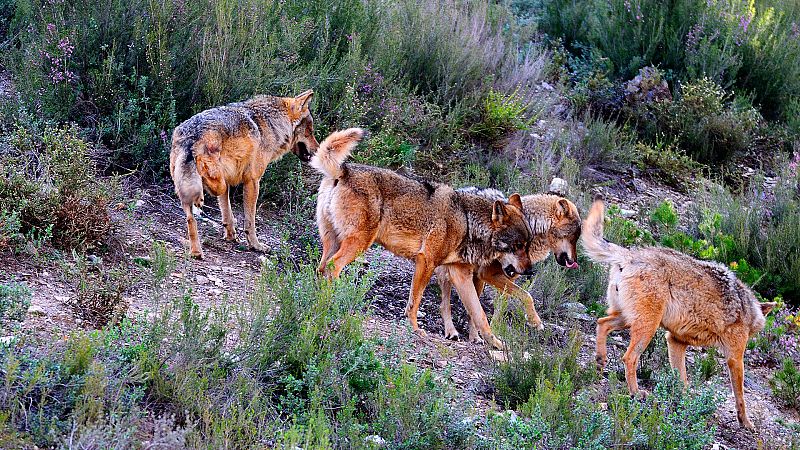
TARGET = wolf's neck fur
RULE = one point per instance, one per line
(477, 245)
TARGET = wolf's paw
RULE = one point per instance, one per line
(536, 324)
(746, 424)
(421, 333)
(497, 343)
(197, 254)
(230, 236)
(451, 334)
(641, 394)
(259, 247)
(601, 361)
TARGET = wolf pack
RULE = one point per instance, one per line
(467, 237)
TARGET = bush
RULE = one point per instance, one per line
(704, 121)
(785, 384)
(418, 69)
(15, 298)
(501, 115)
(48, 189)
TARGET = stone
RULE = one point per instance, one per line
(36, 310)
(201, 279)
(559, 186)
(375, 440)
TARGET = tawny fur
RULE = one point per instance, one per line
(427, 222)
(699, 303)
(231, 145)
(555, 226)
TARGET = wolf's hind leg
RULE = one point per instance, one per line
(349, 249)
(642, 331)
(330, 241)
(735, 361)
(195, 248)
(606, 325)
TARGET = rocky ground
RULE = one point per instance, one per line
(229, 272)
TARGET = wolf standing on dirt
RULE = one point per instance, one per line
(555, 226)
(428, 223)
(231, 145)
(699, 303)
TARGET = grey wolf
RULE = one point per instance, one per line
(231, 145)
(426, 222)
(555, 226)
(698, 302)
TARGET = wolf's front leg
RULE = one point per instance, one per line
(250, 200)
(461, 274)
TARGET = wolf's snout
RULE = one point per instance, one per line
(302, 152)
(563, 259)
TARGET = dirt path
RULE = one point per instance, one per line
(229, 272)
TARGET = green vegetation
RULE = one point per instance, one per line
(701, 96)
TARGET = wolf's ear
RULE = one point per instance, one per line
(498, 212)
(515, 201)
(767, 307)
(301, 101)
(562, 208)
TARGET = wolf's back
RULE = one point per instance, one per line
(599, 249)
(334, 150)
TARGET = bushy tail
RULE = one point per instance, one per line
(334, 150)
(599, 249)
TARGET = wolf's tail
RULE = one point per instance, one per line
(334, 150)
(599, 249)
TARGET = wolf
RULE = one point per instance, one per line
(231, 145)
(699, 303)
(555, 225)
(426, 222)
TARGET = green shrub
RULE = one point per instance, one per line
(15, 298)
(705, 123)
(530, 366)
(502, 114)
(48, 189)
(785, 384)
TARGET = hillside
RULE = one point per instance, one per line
(685, 115)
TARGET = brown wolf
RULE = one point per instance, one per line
(231, 145)
(555, 226)
(427, 222)
(699, 303)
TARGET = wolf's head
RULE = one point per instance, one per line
(303, 142)
(564, 233)
(511, 236)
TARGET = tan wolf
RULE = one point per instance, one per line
(231, 145)
(699, 303)
(555, 225)
(426, 222)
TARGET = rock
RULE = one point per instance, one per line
(201, 279)
(627, 213)
(139, 204)
(375, 440)
(7, 341)
(576, 308)
(61, 298)
(547, 86)
(559, 186)
(36, 310)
